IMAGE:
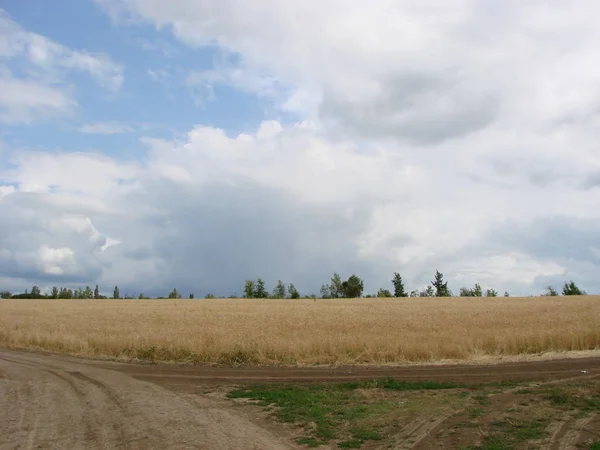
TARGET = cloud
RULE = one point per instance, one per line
(40, 90)
(420, 72)
(450, 135)
(49, 56)
(105, 128)
(24, 101)
(206, 211)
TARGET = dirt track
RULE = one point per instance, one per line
(50, 401)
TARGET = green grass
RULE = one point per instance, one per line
(567, 399)
(506, 434)
(352, 414)
(337, 410)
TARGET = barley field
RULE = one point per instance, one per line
(304, 332)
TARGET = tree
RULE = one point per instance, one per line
(571, 288)
(54, 292)
(398, 286)
(35, 292)
(550, 292)
(336, 288)
(428, 292)
(174, 294)
(191, 296)
(279, 291)
(477, 292)
(65, 293)
(249, 289)
(491, 293)
(88, 293)
(116, 293)
(465, 292)
(261, 291)
(5, 295)
(353, 287)
(96, 292)
(294, 294)
(325, 291)
(441, 287)
(209, 296)
(506, 294)
(384, 293)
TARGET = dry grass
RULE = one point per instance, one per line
(362, 331)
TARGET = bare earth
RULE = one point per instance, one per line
(50, 401)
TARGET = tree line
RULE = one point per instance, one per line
(353, 287)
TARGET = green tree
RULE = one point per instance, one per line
(35, 292)
(5, 295)
(398, 286)
(465, 292)
(54, 292)
(384, 293)
(174, 294)
(88, 293)
(427, 292)
(96, 292)
(550, 292)
(209, 296)
(261, 290)
(477, 292)
(325, 291)
(116, 293)
(506, 294)
(491, 293)
(191, 295)
(441, 287)
(571, 288)
(279, 291)
(250, 289)
(293, 292)
(353, 287)
(336, 288)
(65, 293)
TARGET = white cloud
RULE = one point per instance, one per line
(450, 135)
(50, 56)
(24, 101)
(41, 91)
(105, 128)
(53, 259)
(292, 203)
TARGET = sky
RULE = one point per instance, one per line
(197, 144)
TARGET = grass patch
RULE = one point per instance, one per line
(595, 445)
(573, 399)
(338, 411)
(508, 433)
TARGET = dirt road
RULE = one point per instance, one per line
(57, 403)
(49, 401)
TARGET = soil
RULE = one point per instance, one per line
(51, 401)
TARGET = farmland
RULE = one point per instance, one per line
(304, 332)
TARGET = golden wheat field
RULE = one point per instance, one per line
(304, 332)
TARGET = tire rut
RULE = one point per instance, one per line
(53, 403)
(572, 432)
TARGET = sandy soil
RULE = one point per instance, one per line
(55, 403)
(50, 401)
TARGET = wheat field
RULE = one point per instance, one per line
(304, 332)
